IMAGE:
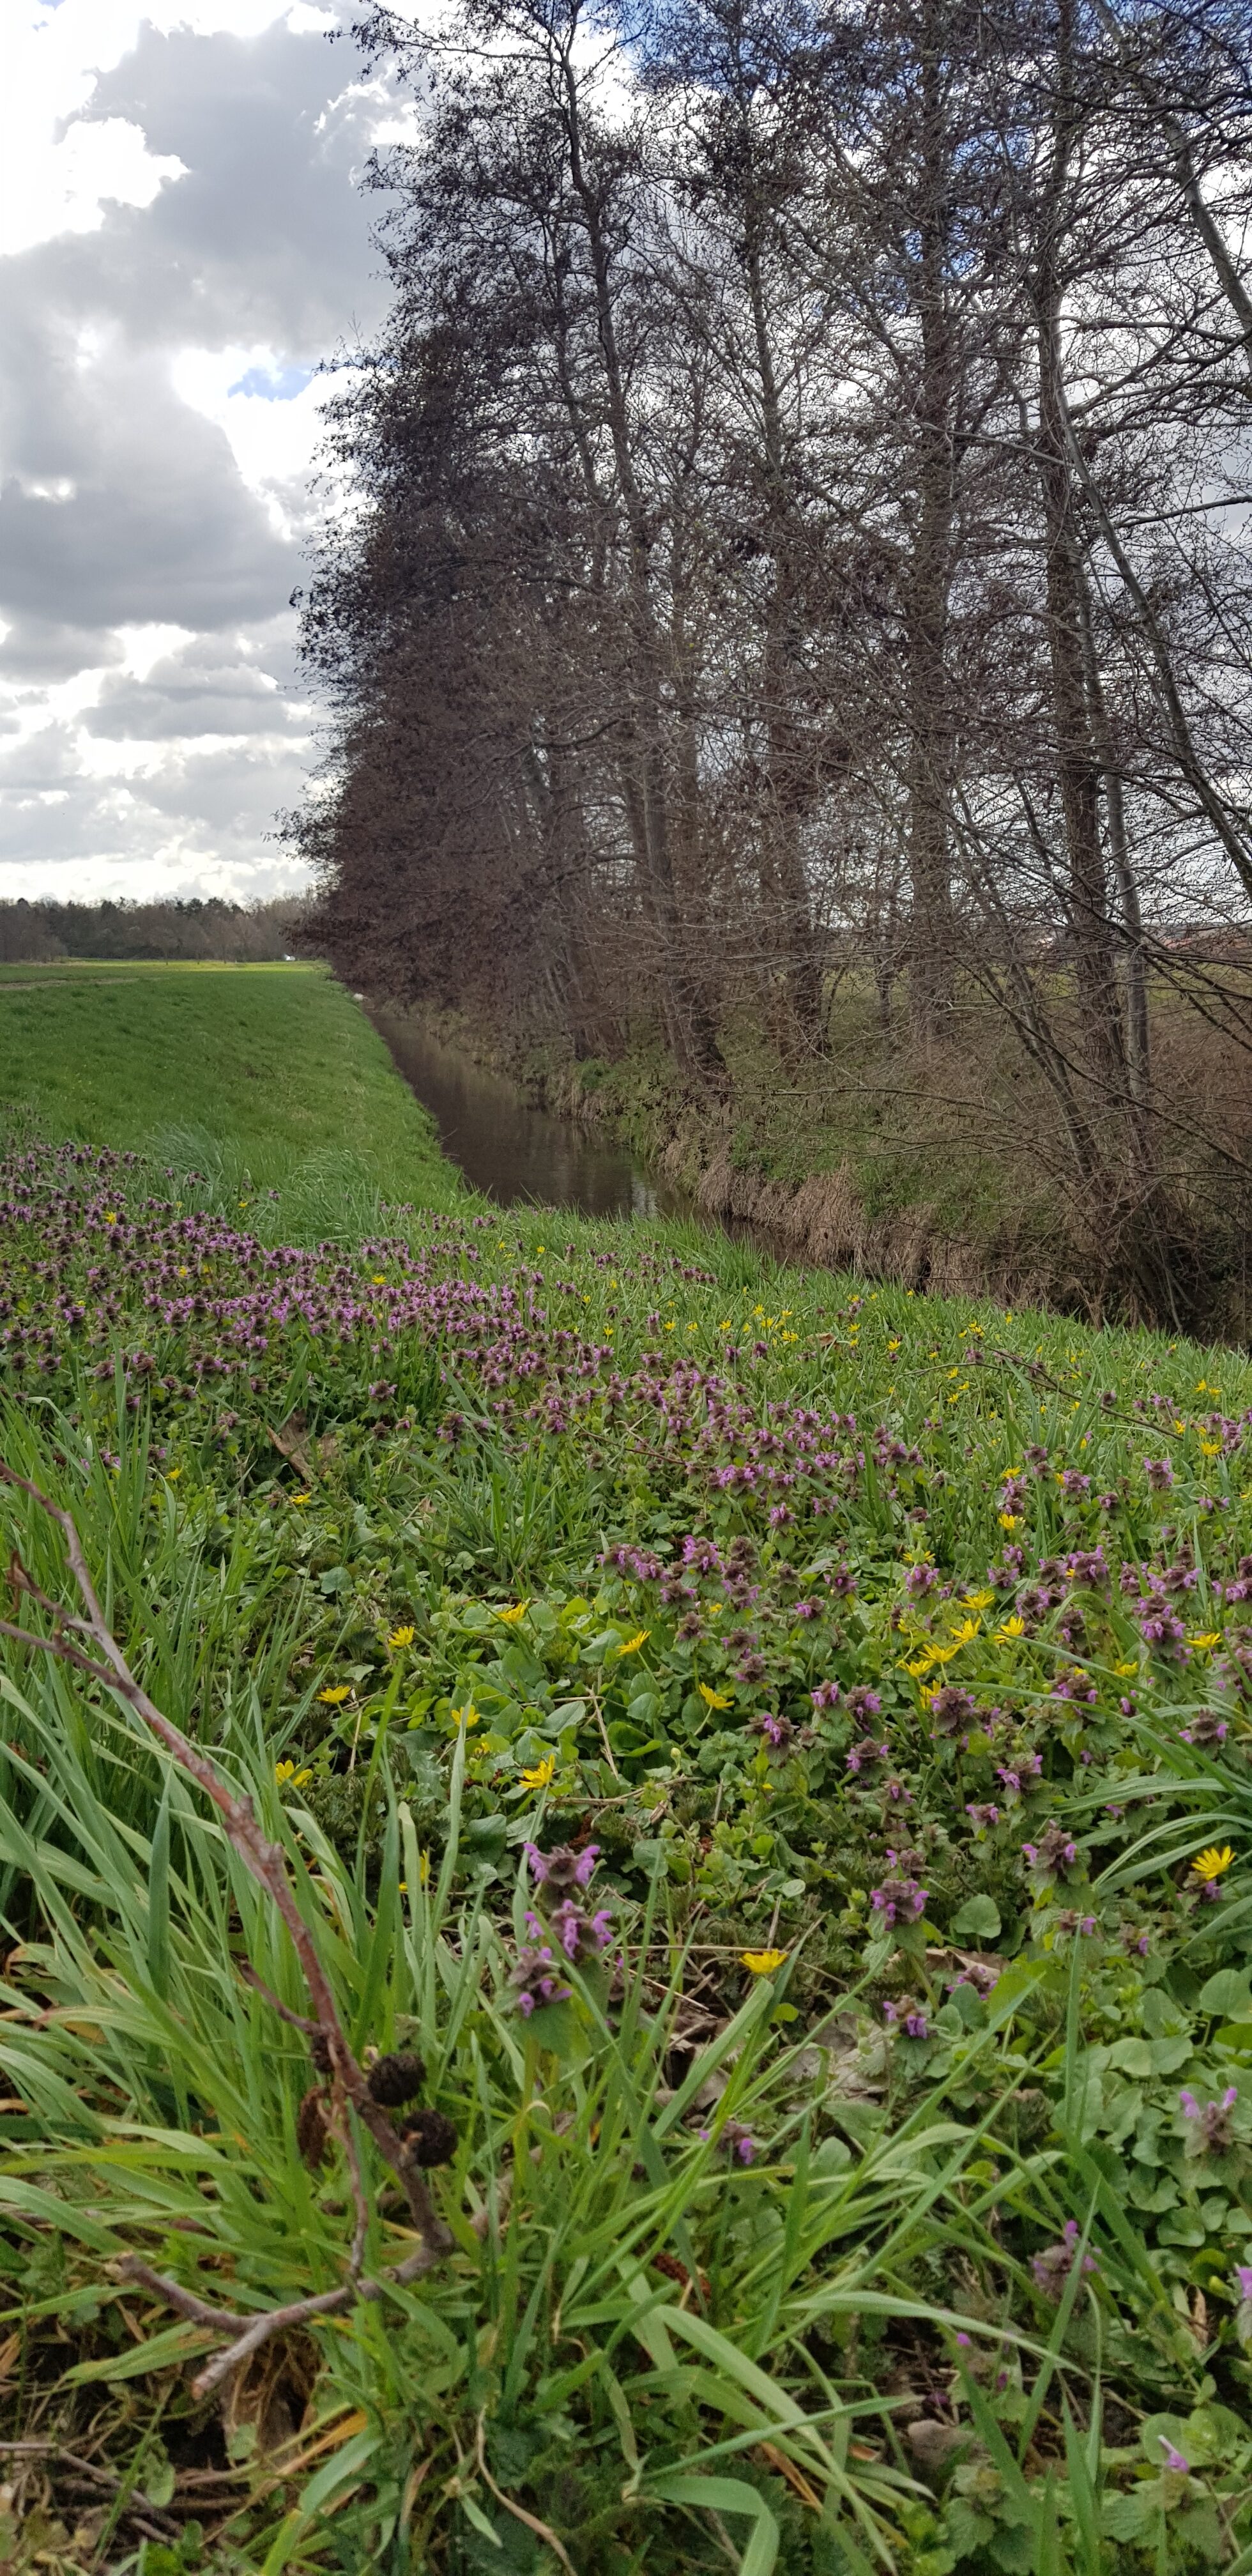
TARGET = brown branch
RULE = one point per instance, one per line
(267, 1865)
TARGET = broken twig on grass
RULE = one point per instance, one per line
(267, 1865)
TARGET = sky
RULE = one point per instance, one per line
(181, 245)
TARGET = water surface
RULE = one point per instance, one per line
(507, 1149)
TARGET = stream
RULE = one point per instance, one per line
(507, 1149)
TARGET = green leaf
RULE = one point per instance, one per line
(726, 2495)
(978, 1920)
(1228, 1993)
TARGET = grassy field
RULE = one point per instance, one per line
(263, 1069)
(760, 1767)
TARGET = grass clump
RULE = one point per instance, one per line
(862, 2176)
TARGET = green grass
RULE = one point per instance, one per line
(451, 1613)
(265, 1071)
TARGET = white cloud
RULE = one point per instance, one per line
(181, 244)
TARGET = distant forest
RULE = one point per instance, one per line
(39, 933)
(797, 582)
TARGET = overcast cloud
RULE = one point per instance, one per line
(182, 242)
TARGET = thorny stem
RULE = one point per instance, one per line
(267, 1865)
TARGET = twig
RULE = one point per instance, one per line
(267, 1865)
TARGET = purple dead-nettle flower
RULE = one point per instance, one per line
(535, 1979)
(841, 1581)
(827, 1695)
(1173, 2458)
(898, 1792)
(919, 1580)
(1054, 1851)
(982, 1817)
(862, 1704)
(899, 1899)
(1036, 1459)
(807, 1610)
(951, 1709)
(862, 1756)
(1206, 1728)
(1159, 1473)
(564, 1869)
(1243, 2280)
(583, 1937)
(737, 2144)
(1013, 1494)
(779, 1733)
(1052, 2268)
(1209, 2121)
(1074, 1484)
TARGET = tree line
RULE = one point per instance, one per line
(795, 567)
(177, 931)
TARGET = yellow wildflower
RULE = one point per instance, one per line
(470, 1715)
(543, 1774)
(893, 1346)
(377, 1280)
(1009, 1520)
(762, 1963)
(1125, 1672)
(977, 1600)
(1210, 1448)
(338, 1691)
(287, 1775)
(402, 1636)
(712, 1698)
(301, 1498)
(1212, 1863)
(965, 1634)
(1211, 1637)
(1011, 1628)
(511, 1616)
(631, 1645)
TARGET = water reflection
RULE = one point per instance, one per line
(508, 1150)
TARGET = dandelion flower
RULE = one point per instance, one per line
(401, 1636)
(712, 1698)
(1212, 1863)
(542, 1775)
(338, 1691)
(762, 1963)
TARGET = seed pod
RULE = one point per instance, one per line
(393, 2080)
(430, 2137)
(312, 2128)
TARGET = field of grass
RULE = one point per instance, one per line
(266, 1071)
(775, 1753)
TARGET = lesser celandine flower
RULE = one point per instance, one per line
(287, 1775)
(401, 1637)
(762, 1963)
(631, 1645)
(1212, 1863)
(512, 1615)
(338, 1692)
(712, 1698)
(542, 1774)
